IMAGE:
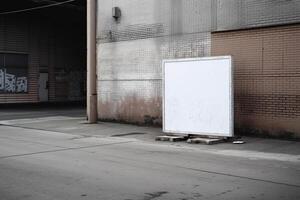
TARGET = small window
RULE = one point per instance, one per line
(13, 73)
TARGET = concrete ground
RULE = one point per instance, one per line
(53, 154)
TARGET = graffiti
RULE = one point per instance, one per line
(2, 72)
(11, 83)
(21, 84)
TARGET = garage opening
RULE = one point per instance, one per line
(43, 52)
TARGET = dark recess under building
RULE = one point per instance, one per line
(42, 52)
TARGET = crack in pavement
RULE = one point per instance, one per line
(64, 149)
(209, 172)
(241, 177)
(32, 142)
(30, 128)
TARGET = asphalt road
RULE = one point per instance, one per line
(40, 165)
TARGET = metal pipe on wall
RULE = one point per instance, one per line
(91, 62)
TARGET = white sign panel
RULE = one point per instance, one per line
(198, 96)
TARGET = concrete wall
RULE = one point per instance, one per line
(129, 84)
(131, 49)
(238, 14)
(58, 49)
(130, 52)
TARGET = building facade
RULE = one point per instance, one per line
(41, 59)
(263, 36)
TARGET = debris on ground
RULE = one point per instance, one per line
(238, 142)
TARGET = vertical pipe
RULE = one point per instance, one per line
(91, 62)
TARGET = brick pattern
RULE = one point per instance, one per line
(133, 32)
(266, 74)
(130, 73)
(141, 59)
(274, 105)
(237, 14)
(142, 19)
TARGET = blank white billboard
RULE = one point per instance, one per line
(198, 96)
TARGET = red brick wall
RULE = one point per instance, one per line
(267, 78)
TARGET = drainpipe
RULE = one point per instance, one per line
(91, 62)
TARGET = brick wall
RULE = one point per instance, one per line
(267, 77)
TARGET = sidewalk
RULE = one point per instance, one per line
(254, 148)
(41, 155)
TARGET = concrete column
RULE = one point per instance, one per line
(91, 62)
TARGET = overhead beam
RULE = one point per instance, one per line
(68, 5)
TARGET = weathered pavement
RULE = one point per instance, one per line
(60, 157)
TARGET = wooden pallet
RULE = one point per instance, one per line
(171, 138)
(205, 140)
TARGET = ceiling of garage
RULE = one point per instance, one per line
(72, 11)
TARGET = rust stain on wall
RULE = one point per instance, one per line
(132, 109)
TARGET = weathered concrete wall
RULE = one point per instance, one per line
(130, 52)
(131, 49)
(129, 84)
(237, 14)
(153, 18)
